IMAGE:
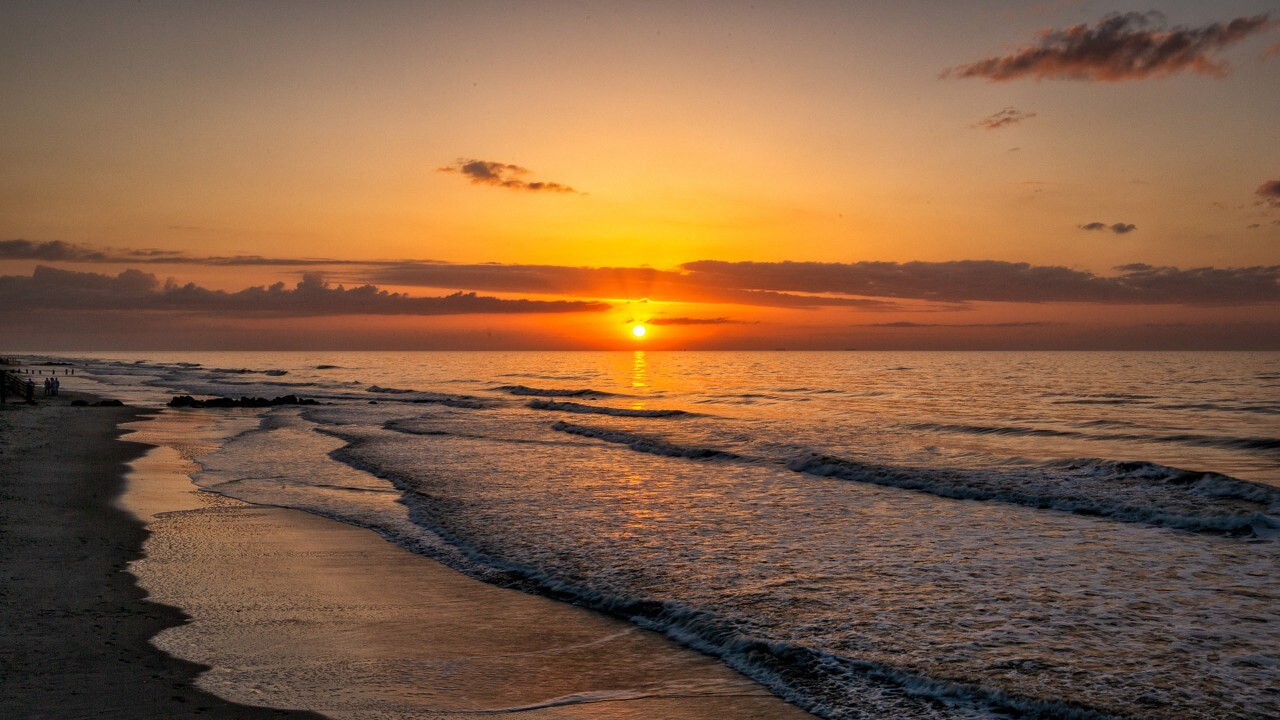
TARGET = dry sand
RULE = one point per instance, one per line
(288, 609)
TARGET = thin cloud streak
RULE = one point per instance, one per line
(1120, 47)
(58, 250)
(697, 321)
(909, 324)
(504, 175)
(1004, 118)
(606, 282)
(51, 288)
(1117, 228)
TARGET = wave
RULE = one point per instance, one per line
(545, 392)
(1102, 401)
(1128, 491)
(1262, 408)
(388, 390)
(1111, 396)
(644, 443)
(995, 430)
(1227, 442)
(245, 371)
(543, 376)
(603, 410)
(831, 685)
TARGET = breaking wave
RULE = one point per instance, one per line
(1137, 492)
(546, 392)
(644, 443)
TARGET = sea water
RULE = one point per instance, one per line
(868, 534)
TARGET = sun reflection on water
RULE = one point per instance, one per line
(639, 376)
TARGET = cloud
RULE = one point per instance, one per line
(603, 282)
(999, 281)
(58, 250)
(697, 321)
(908, 324)
(51, 288)
(50, 250)
(1117, 228)
(1120, 47)
(1269, 193)
(485, 172)
(1004, 118)
(872, 286)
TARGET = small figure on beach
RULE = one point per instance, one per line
(48, 387)
(56, 385)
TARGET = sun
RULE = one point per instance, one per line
(638, 331)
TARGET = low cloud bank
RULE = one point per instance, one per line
(51, 288)
(867, 285)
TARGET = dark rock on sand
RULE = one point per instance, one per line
(186, 401)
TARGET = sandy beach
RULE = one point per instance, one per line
(281, 608)
(77, 628)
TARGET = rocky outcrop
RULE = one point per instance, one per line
(186, 401)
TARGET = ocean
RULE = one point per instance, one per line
(868, 534)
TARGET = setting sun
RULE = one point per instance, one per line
(638, 331)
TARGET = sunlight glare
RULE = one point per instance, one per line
(638, 331)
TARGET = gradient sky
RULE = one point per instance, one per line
(407, 145)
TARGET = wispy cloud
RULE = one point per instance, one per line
(58, 250)
(909, 324)
(505, 175)
(697, 321)
(1120, 47)
(1117, 228)
(1004, 118)
(51, 288)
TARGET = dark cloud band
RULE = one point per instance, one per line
(51, 288)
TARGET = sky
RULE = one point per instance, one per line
(803, 175)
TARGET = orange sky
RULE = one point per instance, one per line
(828, 133)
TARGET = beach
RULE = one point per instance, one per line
(77, 626)
(243, 606)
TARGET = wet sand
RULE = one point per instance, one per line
(74, 626)
(294, 610)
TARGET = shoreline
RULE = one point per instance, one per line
(212, 607)
(77, 625)
(293, 608)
